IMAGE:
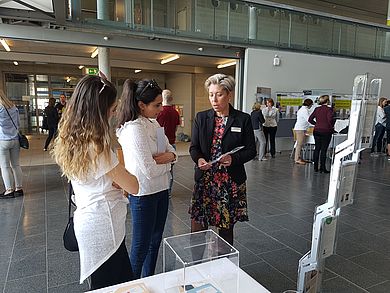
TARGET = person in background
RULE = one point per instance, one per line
(52, 119)
(219, 195)
(60, 106)
(380, 127)
(83, 151)
(271, 115)
(257, 119)
(11, 172)
(169, 118)
(300, 128)
(322, 119)
(140, 140)
(387, 113)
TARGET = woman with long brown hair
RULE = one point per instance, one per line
(83, 151)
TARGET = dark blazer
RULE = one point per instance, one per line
(242, 134)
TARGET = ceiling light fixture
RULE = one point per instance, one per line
(170, 59)
(5, 45)
(95, 53)
(16, 63)
(137, 70)
(81, 66)
(231, 63)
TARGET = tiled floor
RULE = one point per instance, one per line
(281, 198)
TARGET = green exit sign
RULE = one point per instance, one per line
(92, 71)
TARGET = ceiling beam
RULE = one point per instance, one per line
(114, 40)
(34, 8)
(23, 14)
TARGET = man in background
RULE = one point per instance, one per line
(60, 106)
(169, 119)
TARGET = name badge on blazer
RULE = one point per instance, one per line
(236, 129)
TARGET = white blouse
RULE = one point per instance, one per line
(303, 115)
(271, 117)
(100, 217)
(138, 139)
(380, 116)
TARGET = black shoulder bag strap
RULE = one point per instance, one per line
(12, 120)
(70, 192)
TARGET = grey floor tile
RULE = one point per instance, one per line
(64, 268)
(340, 285)
(284, 260)
(31, 264)
(291, 223)
(262, 223)
(380, 288)
(349, 249)
(292, 240)
(70, 288)
(370, 241)
(352, 272)
(55, 242)
(256, 241)
(33, 284)
(269, 277)
(375, 262)
(31, 241)
(247, 257)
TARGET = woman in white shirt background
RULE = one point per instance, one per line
(271, 116)
(380, 127)
(300, 128)
(83, 151)
(148, 155)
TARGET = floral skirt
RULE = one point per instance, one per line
(218, 201)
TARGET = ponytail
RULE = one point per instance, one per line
(128, 108)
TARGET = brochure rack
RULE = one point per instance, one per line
(366, 91)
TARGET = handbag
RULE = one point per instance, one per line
(23, 141)
(69, 237)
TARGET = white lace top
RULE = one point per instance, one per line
(138, 139)
(100, 217)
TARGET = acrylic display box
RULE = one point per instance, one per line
(206, 263)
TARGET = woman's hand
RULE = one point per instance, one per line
(164, 158)
(226, 161)
(203, 164)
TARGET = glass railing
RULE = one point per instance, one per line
(242, 23)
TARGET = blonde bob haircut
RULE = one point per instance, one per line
(227, 82)
(4, 101)
(84, 130)
(324, 99)
(256, 106)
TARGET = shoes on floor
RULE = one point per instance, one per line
(273, 156)
(18, 192)
(300, 162)
(263, 159)
(324, 171)
(8, 195)
(374, 155)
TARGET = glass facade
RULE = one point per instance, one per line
(231, 22)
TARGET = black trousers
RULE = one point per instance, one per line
(322, 141)
(116, 270)
(52, 133)
(378, 138)
(271, 133)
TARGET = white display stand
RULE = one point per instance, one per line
(366, 92)
(155, 284)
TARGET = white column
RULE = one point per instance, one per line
(253, 22)
(104, 53)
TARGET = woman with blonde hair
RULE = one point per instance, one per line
(83, 151)
(219, 194)
(11, 172)
(257, 119)
(380, 126)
